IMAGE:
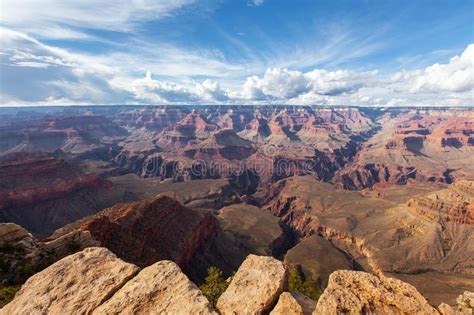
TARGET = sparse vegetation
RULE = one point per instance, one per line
(7, 294)
(306, 286)
(7, 248)
(214, 285)
(26, 270)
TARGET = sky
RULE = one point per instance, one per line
(338, 52)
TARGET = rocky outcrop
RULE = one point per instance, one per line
(455, 204)
(18, 250)
(76, 284)
(362, 293)
(144, 232)
(95, 281)
(21, 254)
(255, 287)
(377, 234)
(191, 127)
(161, 287)
(465, 303)
(293, 304)
(224, 145)
(287, 305)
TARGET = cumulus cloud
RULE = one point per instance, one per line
(283, 84)
(157, 91)
(455, 76)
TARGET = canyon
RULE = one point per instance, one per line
(376, 199)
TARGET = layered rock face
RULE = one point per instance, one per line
(225, 144)
(191, 127)
(77, 135)
(276, 144)
(455, 204)
(147, 231)
(43, 193)
(434, 146)
(17, 249)
(383, 233)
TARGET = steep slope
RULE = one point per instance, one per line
(144, 232)
(43, 193)
(385, 235)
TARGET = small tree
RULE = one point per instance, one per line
(214, 285)
(306, 287)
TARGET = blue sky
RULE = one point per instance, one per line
(239, 51)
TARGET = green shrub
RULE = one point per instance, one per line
(7, 294)
(306, 287)
(214, 285)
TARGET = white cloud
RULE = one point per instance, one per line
(258, 2)
(34, 73)
(211, 91)
(455, 76)
(283, 84)
(156, 91)
(48, 18)
(31, 72)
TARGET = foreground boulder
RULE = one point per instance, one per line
(76, 284)
(293, 304)
(255, 287)
(159, 287)
(95, 281)
(362, 293)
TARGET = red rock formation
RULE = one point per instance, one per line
(43, 193)
(410, 146)
(150, 119)
(225, 144)
(76, 135)
(455, 204)
(147, 231)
